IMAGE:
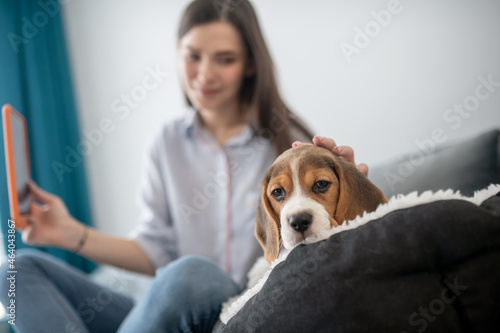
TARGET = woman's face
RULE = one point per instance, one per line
(212, 65)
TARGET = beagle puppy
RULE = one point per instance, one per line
(307, 190)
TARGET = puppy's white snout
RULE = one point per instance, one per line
(300, 222)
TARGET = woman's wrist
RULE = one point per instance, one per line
(72, 235)
(82, 240)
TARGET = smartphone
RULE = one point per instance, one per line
(17, 161)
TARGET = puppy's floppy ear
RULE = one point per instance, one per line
(267, 225)
(357, 194)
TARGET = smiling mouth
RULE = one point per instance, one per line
(207, 92)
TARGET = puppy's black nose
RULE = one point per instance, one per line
(300, 222)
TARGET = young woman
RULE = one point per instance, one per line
(198, 195)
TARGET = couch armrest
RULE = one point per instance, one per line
(466, 166)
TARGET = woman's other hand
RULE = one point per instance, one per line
(344, 152)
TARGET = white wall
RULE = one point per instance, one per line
(395, 91)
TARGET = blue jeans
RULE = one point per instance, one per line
(53, 297)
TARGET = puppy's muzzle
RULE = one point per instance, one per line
(300, 222)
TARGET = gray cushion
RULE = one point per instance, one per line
(466, 166)
(432, 267)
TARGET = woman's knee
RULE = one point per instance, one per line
(186, 265)
(25, 260)
(189, 269)
(14, 268)
(194, 278)
(188, 291)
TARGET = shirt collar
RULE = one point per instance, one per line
(195, 130)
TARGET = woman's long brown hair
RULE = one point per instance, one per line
(260, 91)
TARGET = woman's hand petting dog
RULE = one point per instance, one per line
(344, 152)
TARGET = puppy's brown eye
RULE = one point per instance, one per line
(278, 194)
(321, 186)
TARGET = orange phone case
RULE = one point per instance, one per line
(7, 113)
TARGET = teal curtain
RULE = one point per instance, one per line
(35, 79)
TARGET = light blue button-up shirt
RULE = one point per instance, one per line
(198, 197)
